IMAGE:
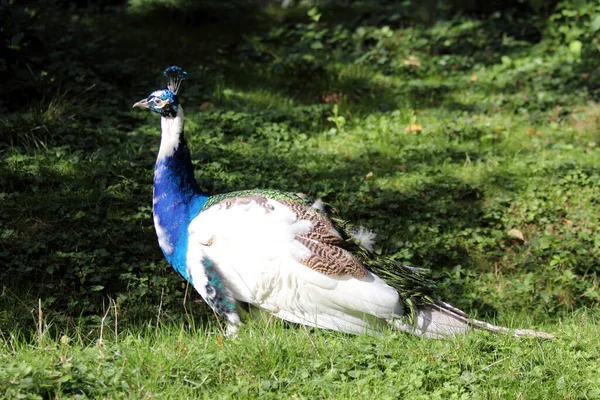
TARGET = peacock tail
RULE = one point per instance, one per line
(413, 284)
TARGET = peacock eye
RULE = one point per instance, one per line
(156, 101)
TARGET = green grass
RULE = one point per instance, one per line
(271, 360)
(505, 122)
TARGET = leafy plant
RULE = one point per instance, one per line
(503, 126)
(338, 120)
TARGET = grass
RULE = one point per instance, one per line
(469, 145)
(271, 360)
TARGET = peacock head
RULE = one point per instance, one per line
(165, 101)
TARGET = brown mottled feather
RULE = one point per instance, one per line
(331, 260)
(322, 231)
(323, 241)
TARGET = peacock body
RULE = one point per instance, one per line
(279, 252)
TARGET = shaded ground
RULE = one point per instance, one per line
(504, 136)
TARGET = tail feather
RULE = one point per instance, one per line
(424, 315)
(440, 319)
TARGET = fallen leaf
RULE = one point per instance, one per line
(531, 131)
(516, 234)
(473, 78)
(412, 62)
(401, 167)
(206, 106)
(585, 75)
(369, 175)
(413, 128)
(332, 98)
(219, 340)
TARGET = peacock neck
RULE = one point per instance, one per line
(177, 197)
(174, 173)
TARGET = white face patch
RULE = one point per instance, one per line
(158, 103)
(172, 128)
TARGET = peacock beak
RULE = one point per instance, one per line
(142, 103)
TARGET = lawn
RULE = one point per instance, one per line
(467, 138)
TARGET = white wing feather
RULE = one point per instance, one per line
(256, 252)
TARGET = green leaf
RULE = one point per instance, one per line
(595, 24)
(314, 14)
(575, 47)
(354, 374)
(579, 4)
(506, 60)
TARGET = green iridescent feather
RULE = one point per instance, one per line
(271, 194)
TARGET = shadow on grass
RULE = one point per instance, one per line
(81, 236)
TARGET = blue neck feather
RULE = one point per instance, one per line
(177, 200)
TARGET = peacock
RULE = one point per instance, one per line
(282, 253)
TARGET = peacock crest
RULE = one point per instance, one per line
(175, 76)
